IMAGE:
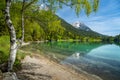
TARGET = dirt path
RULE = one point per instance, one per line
(38, 67)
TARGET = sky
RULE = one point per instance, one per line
(105, 21)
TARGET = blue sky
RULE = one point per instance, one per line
(106, 20)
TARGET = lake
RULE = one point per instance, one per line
(99, 59)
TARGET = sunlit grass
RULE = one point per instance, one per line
(4, 49)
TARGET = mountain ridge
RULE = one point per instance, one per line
(79, 32)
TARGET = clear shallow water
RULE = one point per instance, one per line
(103, 61)
(99, 59)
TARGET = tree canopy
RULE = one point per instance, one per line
(87, 5)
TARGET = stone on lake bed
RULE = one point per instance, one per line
(9, 76)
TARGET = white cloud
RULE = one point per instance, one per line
(106, 26)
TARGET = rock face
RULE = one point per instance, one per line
(81, 26)
(9, 76)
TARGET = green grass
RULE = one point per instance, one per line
(4, 49)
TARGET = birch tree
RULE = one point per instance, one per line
(24, 7)
(12, 33)
(13, 41)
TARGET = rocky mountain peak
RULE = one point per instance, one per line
(81, 26)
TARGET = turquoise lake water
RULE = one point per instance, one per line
(99, 59)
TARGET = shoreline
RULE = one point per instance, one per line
(80, 71)
(38, 67)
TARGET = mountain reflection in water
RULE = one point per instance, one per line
(103, 61)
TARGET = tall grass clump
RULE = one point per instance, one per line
(4, 48)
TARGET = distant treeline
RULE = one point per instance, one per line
(111, 39)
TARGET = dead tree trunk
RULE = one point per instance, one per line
(12, 33)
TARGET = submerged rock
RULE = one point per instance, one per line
(9, 76)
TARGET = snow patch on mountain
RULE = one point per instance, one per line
(81, 26)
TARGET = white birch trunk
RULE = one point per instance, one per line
(22, 39)
(13, 41)
(22, 22)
